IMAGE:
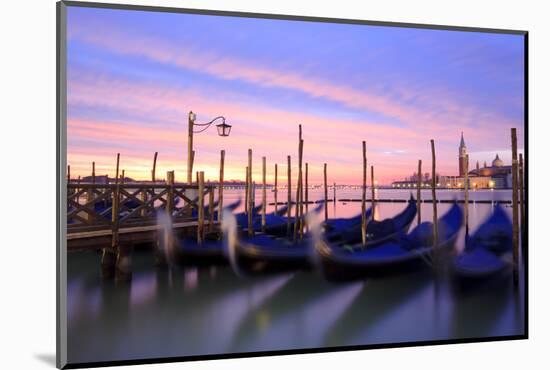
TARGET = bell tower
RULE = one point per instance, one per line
(461, 155)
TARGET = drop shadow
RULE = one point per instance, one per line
(47, 358)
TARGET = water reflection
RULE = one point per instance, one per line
(377, 299)
(174, 311)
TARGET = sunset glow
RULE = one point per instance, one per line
(134, 76)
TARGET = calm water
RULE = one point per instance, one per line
(178, 312)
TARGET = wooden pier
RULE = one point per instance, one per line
(110, 215)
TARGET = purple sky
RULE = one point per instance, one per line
(133, 76)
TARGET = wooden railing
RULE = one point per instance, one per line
(95, 207)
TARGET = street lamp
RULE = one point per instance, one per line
(223, 130)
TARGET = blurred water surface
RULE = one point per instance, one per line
(165, 312)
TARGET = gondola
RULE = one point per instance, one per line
(379, 231)
(211, 251)
(405, 252)
(336, 226)
(278, 225)
(230, 208)
(242, 217)
(265, 253)
(487, 255)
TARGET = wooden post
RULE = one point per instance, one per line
(117, 165)
(90, 192)
(200, 226)
(307, 189)
(246, 184)
(144, 191)
(364, 197)
(190, 123)
(372, 188)
(153, 174)
(192, 160)
(122, 176)
(434, 200)
(116, 174)
(68, 174)
(289, 197)
(466, 167)
(170, 197)
(112, 257)
(253, 192)
(220, 187)
(334, 193)
(78, 189)
(515, 211)
(297, 209)
(250, 224)
(419, 193)
(521, 200)
(210, 209)
(275, 189)
(326, 190)
(301, 183)
(264, 196)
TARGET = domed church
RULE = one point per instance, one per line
(496, 176)
(497, 168)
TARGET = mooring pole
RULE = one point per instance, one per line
(246, 185)
(307, 189)
(372, 200)
(364, 197)
(220, 187)
(326, 190)
(109, 255)
(289, 197)
(301, 184)
(90, 192)
(275, 188)
(466, 195)
(264, 195)
(297, 210)
(515, 211)
(418, 192)
(250, 190)
(200, 226)
(165, 241)
(93, 172)
(210, 208)
(154, 171)
(521, 200)
(190, 123)
(434, 199)
(190, 156)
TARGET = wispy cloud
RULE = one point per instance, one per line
(122, 99)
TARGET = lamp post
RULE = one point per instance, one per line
(223, 130)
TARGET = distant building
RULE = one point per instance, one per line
(461, 155)
(496, 176)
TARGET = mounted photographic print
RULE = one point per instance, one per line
(235, 184)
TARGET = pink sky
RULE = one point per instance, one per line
(129, 91)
